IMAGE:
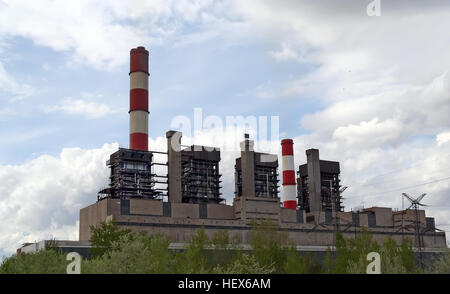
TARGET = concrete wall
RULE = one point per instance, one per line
(314, 184)
(383, 216)
(174, 166)
(317, 216)
(409, 216)
(363, 220)
(250, 208)
(288, 215)
(146, 207)
(220, 211)
(92, 215)
(146, 215)
(185, 210)
(345, 217)
(182, 230)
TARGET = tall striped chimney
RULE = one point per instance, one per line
(289, 196)
(139, 99)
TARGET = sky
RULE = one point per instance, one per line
(372, 92)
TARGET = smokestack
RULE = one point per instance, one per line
(139, 99)
(289, 187)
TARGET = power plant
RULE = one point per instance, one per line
(310, 210)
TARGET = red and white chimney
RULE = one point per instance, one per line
(139, 99)
(289, 193)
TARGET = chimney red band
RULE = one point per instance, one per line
(290, 204)
(138, 99)
(287, 147)
(139, 60)
(288, 177)
(139, 141)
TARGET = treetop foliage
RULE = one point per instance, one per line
(115, 250)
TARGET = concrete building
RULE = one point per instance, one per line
(179, 221)
(255, 173)
(318, 184)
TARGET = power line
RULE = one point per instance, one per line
(409, 166)
(410, 187)
(377, 183)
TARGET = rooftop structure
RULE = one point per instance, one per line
(318, 184)
(255, 173)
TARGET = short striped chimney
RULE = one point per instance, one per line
(289, 188)
(139, 99)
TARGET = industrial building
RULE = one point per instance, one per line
(322, 190)
(310, 210)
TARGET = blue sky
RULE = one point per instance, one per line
(370, 92)
(221, 81)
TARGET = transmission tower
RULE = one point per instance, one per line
(415, 203)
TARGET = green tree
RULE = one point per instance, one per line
(104, 236)
(442, 264)
(132, 254)
(223, 252)
(269, 246)
(193, 260)
(47, 261)
(397, 259)
(244, 264)
(297, 264)
(351, 254)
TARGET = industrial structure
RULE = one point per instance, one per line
(309, 211)
(319, 184)
(255, 173)
(289, 193)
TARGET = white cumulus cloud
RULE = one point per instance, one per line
(41, 198)
(90, 110)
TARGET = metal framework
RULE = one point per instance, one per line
(266, 181)
(200, 177)
(331, 190)
(415, 203)
(131, 175)
(266, 177)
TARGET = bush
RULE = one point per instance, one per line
(193, 260)
(46, 261)
(117, 251)
(268, 245)
(104, 236)
(442, 264)
(244, 264)
(132, 254)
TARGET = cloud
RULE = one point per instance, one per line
(443, 138)
(41, 198)
(10, 87)
(7, 113)
(20, 137)
(285, 54)
(97, 33)
(90, 110)
(387, 117)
